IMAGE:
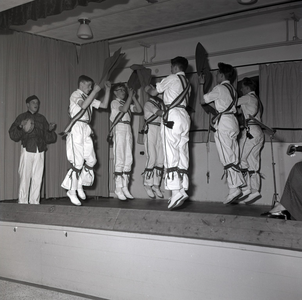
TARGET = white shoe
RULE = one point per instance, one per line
(244, 194)
(74, 199)
(81, 194)
(277, 208)
(233, 196)
(158, 192)
(252, 198)
(184, 193)
(127, 193)
(149, 191)
(120, 195)
(185, 196)
(176, 200)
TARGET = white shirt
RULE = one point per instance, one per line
(221, 96)
(115, 109)
(149, 110)
(74, 107)
(249, 105)
(171, 87)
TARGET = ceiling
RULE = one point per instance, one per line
(128, 23)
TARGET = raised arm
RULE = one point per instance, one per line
(105, 100)
(90, 98)
(137, 107)
(151, 90)
(127, 104)
(201, 81)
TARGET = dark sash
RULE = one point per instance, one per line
(234, 100)
(116, 120)
(249, 121)
(151, 118)
(77, 117)
(177, 101)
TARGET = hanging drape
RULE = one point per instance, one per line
(38, 9)
(280, 89)
(199, 131)
(49, 69)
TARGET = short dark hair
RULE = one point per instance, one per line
(84, 78)
(118, 85)
(181, 62)
(246, 81)
(228, 71)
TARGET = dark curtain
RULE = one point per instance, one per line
(38, 9)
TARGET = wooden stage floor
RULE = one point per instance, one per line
(199, 220)
(254, 210)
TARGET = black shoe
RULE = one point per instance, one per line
(283, 215)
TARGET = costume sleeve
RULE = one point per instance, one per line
(243, 100)
(132, 108)
(96, 103)
(16, 133)
(115, 105)
(164, 84)
(213, 95)
(74, 107)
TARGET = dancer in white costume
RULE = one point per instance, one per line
(121, 115)
(79, 144)
(34, 140)
(226, 125)
(251, 141)
(153, 172)
(175, 129)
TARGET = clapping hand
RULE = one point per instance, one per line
(52, 126)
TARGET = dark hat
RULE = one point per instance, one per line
(31, 98)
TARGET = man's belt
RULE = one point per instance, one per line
(178, 106)
(154, 123)
(124, 122)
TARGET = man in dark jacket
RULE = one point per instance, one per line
(34, 132)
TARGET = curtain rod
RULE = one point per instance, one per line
(257, 64)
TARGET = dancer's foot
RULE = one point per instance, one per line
(149, 191)
(74, 199)
(81, 194)
(253, 197)
(127, 193)
(233, 195)
(120, 194)
(157, 191)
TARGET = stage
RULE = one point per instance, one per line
(201, 220)
(138, 249)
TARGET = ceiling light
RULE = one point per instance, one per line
(247, 2)
(84, 31)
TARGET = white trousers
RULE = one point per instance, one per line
(225, 137)
(122, 153)
(31, 170)
(176, 150)
(79, 150)
(250, 156)
(154, 156)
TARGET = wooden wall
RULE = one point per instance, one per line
(124, 254)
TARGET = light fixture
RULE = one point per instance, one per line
(247, 2)
(84, 31)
